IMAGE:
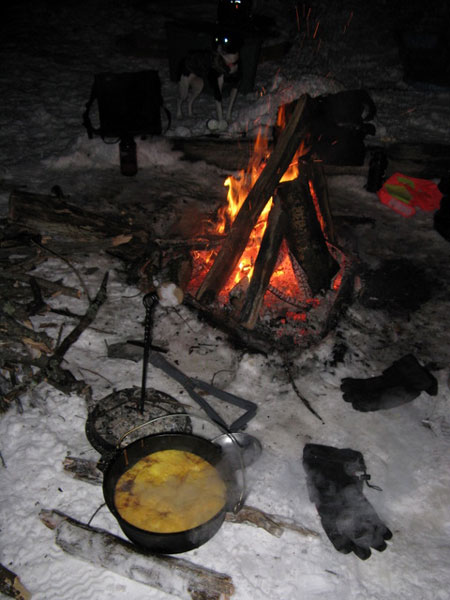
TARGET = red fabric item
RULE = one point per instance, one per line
(403, 194)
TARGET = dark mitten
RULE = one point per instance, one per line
(441, 218)
(335, 480)
(400, 383)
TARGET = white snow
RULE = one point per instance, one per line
(50, 52)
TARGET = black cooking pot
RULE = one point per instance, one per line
(170, 543)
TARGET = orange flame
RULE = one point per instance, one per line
(238, 189)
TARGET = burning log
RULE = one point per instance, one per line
(236, 241)
(319, 191)
(304, 234)
(176, 576)
(264, 265)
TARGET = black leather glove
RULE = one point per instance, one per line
(400, 383)
(335, 480)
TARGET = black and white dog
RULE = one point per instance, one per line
(218, 66)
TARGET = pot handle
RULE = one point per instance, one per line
(149, 422)
(240, 502)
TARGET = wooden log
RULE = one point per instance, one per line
(51, 216)
(177, 576)
(52, 288)
(319, 192)
(304, 234)
(231, 155)
(264, 265)
(11, 586)
(427, 161)
(277, 163)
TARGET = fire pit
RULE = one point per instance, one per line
(278, 279)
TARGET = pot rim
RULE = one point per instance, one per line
(109, 499)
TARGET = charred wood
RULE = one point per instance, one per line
(319, 191)
(264, 265)
(304, 234)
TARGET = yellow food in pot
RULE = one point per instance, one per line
(169, 491)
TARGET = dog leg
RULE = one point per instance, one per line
(219, 111)
(219, 108)
(183, 90)
(196, 85)
(233, 95)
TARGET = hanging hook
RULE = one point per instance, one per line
(150, 300)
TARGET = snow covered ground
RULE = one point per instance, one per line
(50, 52)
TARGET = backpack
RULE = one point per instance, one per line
(342, 122)
(129, 104)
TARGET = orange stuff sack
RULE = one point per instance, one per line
(404, 194)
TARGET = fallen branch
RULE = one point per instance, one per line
(11, 585)
(13, 331)
(273, 524)
(68, 263)
(176, 576)
(49, 365)
(300, 397)
(84, 322)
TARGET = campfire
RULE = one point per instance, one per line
(278, 273)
